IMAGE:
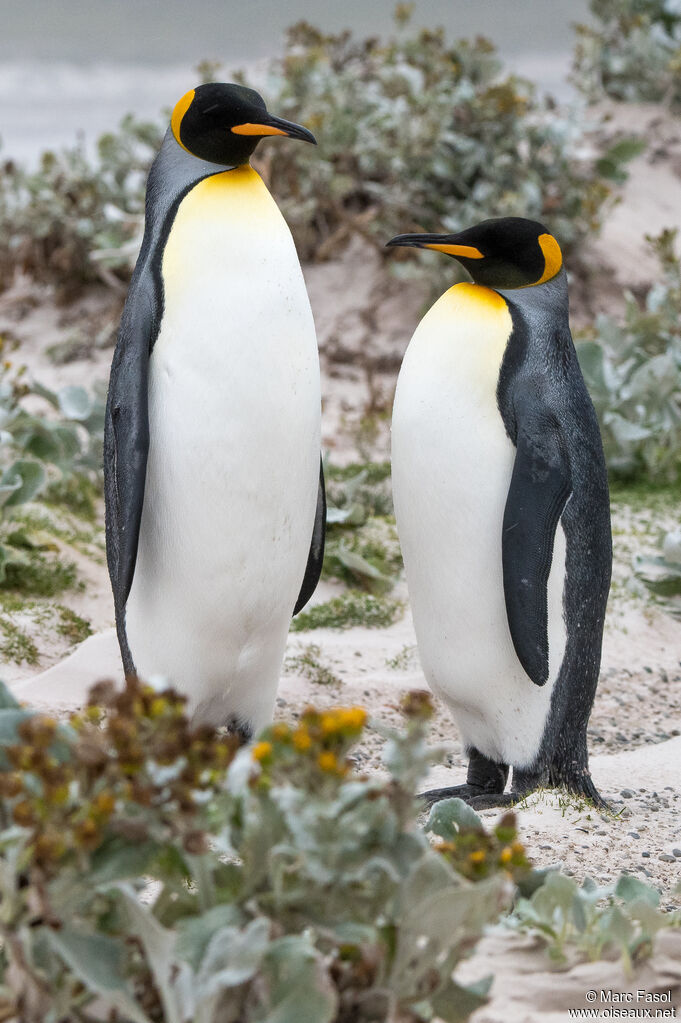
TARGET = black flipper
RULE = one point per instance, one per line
(540, 487)
(315, 558)
(126, 446)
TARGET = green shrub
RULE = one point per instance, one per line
(307, 661)
(285, 886)
(593, 922)
(150, 870)
(353, 607)
(74, 220)
(414, 133)
(633, 370)
(417, 133)
(662, 574)
(54, 455)
(632, 52)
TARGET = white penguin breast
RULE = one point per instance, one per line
(232, 474)
(452, 464)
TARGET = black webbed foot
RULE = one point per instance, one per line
(465, 792)
(485, 779)
(494, 799)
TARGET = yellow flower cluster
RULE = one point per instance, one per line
(324, 736)
(65, 786)
(476, 853)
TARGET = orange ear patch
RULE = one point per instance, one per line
(256, 129)
(469, 251)
(553, 257)
(181, 108)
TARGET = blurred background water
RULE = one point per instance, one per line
(71, 68)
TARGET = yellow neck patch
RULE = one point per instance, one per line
(470, 326)
(231, 200)
(181, 108)
(553, 257)
(475, 304)
(477, 297)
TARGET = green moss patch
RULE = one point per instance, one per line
(16, 645)
(348, 610)
(40, 575)
(71, 626)
(307, 662)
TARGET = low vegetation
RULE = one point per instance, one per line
(419, 133)
(75, 220)
(348, 609)
(632, 366)
(50, 466)
(631, 51)
(282, 881)
(307, 661)
(591, 921)
(154, 872)
(662, 573)
(362, 547)
(415, 132)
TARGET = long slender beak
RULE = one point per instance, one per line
(271, 125)
(446, 243)
(415, 241)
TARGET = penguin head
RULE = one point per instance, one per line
(507, 252)
(224, 123)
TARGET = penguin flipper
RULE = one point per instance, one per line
(315, 558)
(540, 487)
(126, 446)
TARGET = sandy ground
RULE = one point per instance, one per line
(364, 320)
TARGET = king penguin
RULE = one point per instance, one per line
(215, 509)
(502, 509)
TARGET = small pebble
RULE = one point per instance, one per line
(627, 794)
(677, 852)
(666, 858)
(634, 834)
(645, 854)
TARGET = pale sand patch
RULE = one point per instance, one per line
(650, 199)
(525, 990)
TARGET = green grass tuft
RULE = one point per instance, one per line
(375, 472)
(348, 610)
(78, 493)
(72, 626)
(40, 576)
(17, 646)
(307, 662)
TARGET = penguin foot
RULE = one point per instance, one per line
(465, 792)
(494, 799)
(242, 731)
(485, 779)
(476, 799)
(582, 785)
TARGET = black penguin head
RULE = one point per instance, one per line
(508, 252)
(224, 123)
